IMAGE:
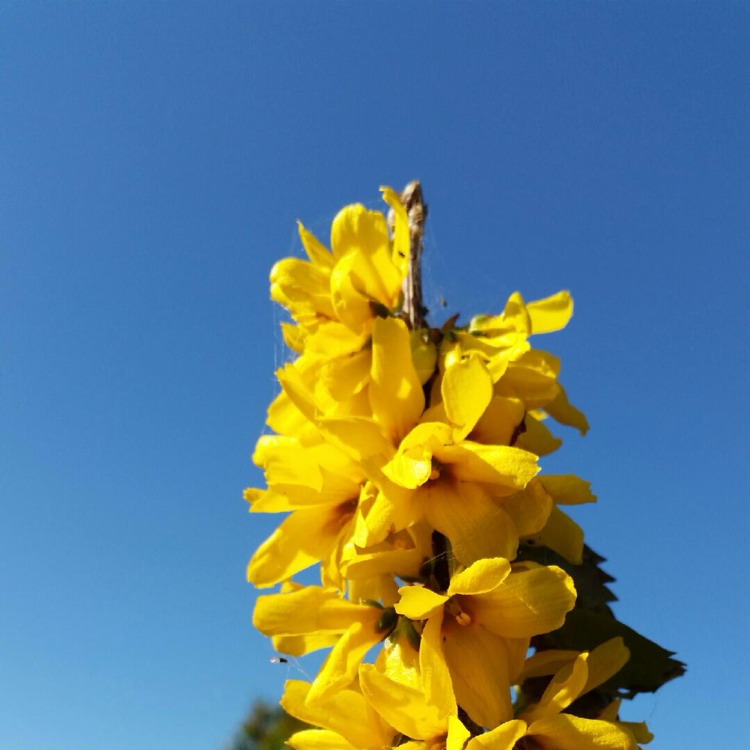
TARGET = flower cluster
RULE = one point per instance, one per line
(407, 460)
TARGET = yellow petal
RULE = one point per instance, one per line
(564, 412)
(334, 339)
(505, 467)
(418, 603)
(315, 250)
(567, 684)
(299, 645)
(359, 437)
(499, 422)
(297, 390)
(544, 663)
(537, 437)
(495, 351)
(567, 489)
(551, 313)
(503, 737)
(288, 462)
(285, 418)
(436, 679)
(339, 669)
(294, 337)
(400, 228)
(514, 318)
(423, 354)
(346, 375)
(532, 378)
(347, 714)
(606, 660)
(307, 610)
(516, 313)
(403, 707)
(319, 739)
(411, 467)
(363, 236)
(263, 501)
(357, 229)
(301, 540)
(350, 303)
(480, 577)
(566, 732)
(382, 589)
(529, 602)
(479, 668)
(458, 734)
(398, 562)
(476, 526)
(303, 288)
(529, 508)
(396, 394)
(561, 534)
(466, 391)
(374, 518)
(399, 659)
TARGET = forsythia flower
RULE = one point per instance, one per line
(407, 461)
(487, 617)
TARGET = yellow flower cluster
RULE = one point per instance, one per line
(407, 461)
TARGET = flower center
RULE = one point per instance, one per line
(437, 470)
(453, 608)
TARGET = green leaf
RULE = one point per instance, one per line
(592, 622)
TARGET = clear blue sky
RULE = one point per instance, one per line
(154, 158)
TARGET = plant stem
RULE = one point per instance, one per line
(416, 211)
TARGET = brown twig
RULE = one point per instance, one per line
(416, 211)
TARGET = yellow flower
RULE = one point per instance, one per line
(560, 532)
(347, 721)
(380, 384)
(335, 296)
(371, 565)
(486, 619)
(564, 732)
(319, 481)
(545, 725)
(312, 617)
(322, 486)
(518, 370)
(413, 692)
(458, 484)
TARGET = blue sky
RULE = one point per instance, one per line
(154, 159)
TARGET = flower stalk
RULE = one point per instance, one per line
(416, 211)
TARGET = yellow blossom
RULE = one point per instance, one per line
(347, 721)
(321, 486)
(486, 617)
(300, 616)
(573, 675)
(437, 473)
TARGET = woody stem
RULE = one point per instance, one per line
(416, 211)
